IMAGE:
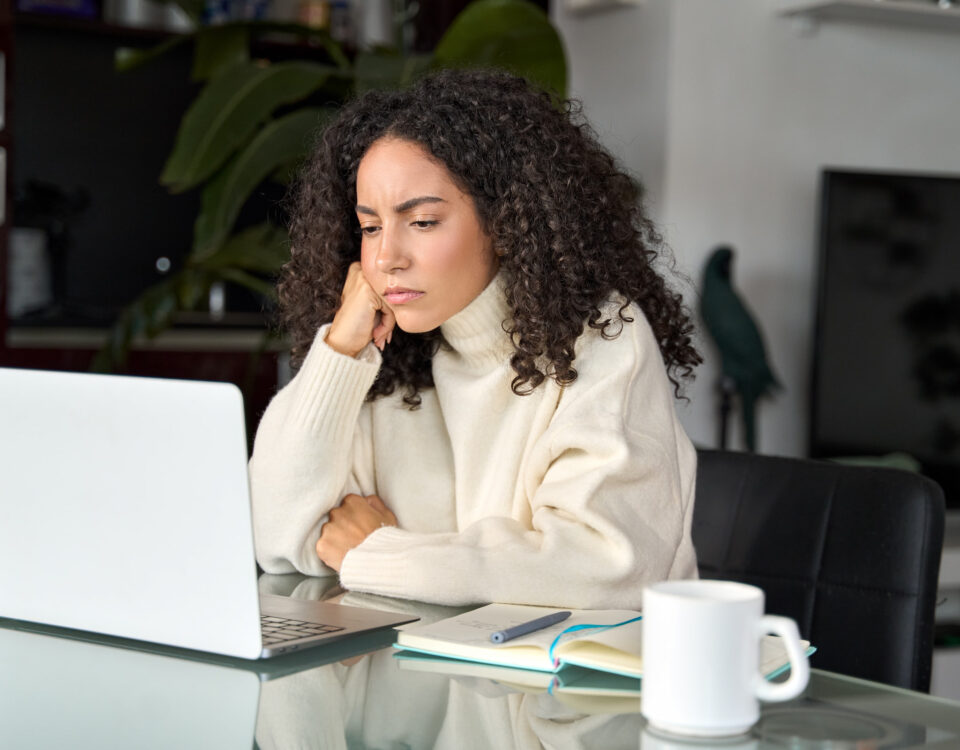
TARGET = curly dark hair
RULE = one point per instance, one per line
(567, 225)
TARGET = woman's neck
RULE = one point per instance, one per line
(476, 332)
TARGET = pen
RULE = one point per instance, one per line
(523, 628)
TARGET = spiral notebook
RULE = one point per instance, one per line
(604, 640)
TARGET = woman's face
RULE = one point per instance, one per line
(422, 249)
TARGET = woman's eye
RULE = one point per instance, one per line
(369, 230)
(425, 223)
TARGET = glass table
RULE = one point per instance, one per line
(60, 689)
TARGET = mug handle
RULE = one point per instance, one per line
(799, 668)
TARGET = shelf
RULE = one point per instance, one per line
(91, 26)
(915, 13)
(174, 339)
(275, 45)
(588, 6)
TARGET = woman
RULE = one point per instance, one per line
(483, 409)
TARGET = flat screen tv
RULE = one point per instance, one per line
(887, 342)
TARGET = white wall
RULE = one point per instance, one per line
(617, 61)
(754, 109)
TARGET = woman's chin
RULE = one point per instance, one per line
(416, 323)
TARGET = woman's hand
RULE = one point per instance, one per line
(363, 317)
(349, 524)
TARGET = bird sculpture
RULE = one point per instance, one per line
(745, 369)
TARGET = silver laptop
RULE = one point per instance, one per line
(125, 510)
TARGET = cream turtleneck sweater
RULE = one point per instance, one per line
(571, 496)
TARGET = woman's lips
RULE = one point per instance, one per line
(401, 296)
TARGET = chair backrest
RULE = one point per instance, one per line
(851, 553)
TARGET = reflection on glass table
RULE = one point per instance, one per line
(59, 691)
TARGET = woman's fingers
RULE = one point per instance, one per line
(354, 275)
(347, 526)
(383, 332)
(363, 316)
(386, 514)
(352, 521)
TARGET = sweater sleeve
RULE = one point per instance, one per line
(610, 493)
(310, 450)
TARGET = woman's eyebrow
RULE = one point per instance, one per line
(402, 207)
(414, 202)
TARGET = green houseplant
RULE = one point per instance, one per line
(253, 121)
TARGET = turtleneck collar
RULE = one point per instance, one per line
(476, 332)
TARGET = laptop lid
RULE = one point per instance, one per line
(125, 509)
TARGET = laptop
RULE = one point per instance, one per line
(125, 511)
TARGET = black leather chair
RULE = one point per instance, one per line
(849, 552)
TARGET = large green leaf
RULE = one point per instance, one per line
(385, 70)
(228, 111)
(193, 8)
(278, 143)
(286, 173)
(307, 34)
(511, 34)
(127, 58)
(193, 287)
(263, 248)
(242, 278)
(218, 48)
(147, 315)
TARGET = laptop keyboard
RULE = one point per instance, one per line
(281, 629)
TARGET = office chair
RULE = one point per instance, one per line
(851, 553)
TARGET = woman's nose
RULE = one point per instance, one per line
(390, 255)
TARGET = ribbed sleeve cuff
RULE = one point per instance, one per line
(382, 564)
(332, 386)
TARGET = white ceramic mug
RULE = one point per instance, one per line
(701, 657)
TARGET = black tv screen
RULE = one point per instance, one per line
(887, 343)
